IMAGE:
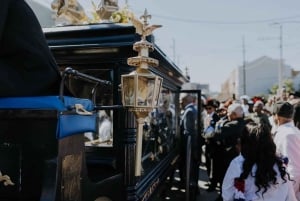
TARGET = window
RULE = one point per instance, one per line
(159, 129)
(104, 135)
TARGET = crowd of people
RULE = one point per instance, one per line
(251, 150)
(250, 147)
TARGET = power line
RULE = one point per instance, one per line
(217, 22)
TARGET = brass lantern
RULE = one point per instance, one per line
(140, 91)
(141, 88)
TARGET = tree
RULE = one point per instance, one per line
(273, 90)
(288, 84)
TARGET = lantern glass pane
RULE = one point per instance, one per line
(158, 84)
(128, 90)
(145, 91)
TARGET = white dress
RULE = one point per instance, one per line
(283, 191)
(287, 140)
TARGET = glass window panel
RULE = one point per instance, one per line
(104, 135)
(159, 130)
(128, 87)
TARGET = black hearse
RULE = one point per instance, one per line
(102, 51)
(96, 165)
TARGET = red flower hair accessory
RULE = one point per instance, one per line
(239, 185)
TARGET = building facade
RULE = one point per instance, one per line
(260, 76)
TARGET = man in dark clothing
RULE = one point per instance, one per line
(258, 115)
(228, 140)
(188, 129)
(217, 155)
(27, 67)
(209, 130)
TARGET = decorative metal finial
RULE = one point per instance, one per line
(69, 12)
(142, 28)
(145, 17)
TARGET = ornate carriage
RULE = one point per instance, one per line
(91, 164)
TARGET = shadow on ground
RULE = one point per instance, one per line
(175, 192)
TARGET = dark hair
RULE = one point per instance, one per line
(258, 147)
(297, 114)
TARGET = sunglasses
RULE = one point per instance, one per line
(209, 108)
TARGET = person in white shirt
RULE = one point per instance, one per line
(287, 140)
(245, 104)
(260, 171)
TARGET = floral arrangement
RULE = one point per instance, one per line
(120, 16)
(239, 193)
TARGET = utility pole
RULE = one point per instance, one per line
(174, 49)
(280, 66)
(244, 65)
(280, 60)
(178, 60)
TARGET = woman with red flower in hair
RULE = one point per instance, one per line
(257, 174)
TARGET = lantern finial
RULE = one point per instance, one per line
(143, 28)
(145, 17)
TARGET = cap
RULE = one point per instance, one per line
(283, 109)
(213, 103)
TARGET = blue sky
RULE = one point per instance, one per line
(208, 33)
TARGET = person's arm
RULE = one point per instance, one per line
(3, 14)
(291, 193)
(290, 149)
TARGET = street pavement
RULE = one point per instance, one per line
(204, 195)
(175, 193)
